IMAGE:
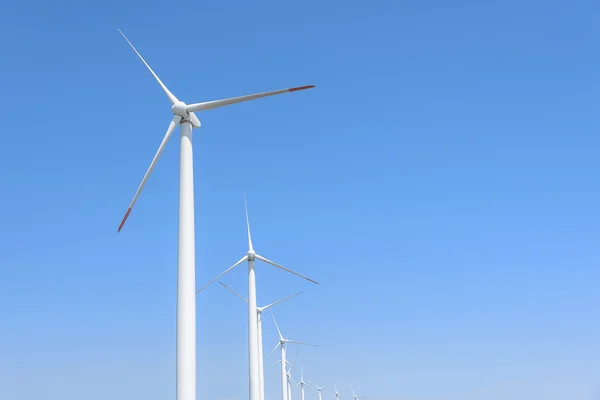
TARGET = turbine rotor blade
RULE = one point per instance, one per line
(280, 301)
(277, 326)
(170, 95)
(352, 391)
(286, 361)
(248, 225)
(209, 105)
(302, 343)
(172, 125)
(223, 273)
(276, 346)
(284, 268)
(233, 291)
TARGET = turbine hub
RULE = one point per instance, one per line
(179, 108)
(251, 255)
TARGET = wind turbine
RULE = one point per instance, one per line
(290, 380)
(184, 115)
(250, 256)
(337, 395)
(259, 311)
(282, 344)
(302, 383)
(319, 388)
(355, 397)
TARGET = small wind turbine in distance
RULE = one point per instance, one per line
(290, 381)
(355, 397)
(184, 115)
(250, 256)
(302, 383)
(337, 394)
(319, 388)
(259, 311)
(288, 378)
(282, 345)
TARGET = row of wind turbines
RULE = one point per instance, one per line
(184, 115)
(255, 340)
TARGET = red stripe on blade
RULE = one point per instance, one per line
(301, 88)
(124, 219)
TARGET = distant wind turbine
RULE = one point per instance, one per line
(259, 311)
(355, 397)
(282, 345)
(290, 380)
(319, 388)
(337, 395)
(302, 383)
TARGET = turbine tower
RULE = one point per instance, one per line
(285, 386)
(184, 115)
(259, 311)
(319, 388)
(250, 256)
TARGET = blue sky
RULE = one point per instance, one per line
(440, 183)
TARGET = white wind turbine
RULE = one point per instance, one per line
(319, 388)
(337, 394)
(285, 385)
(184, 115)
(290, 380)
(259, 311)
(354, 396)
(302, 383)
(250, 256)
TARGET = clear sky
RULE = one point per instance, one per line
(441, 183)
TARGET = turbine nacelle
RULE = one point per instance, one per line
(251, 255)
(179, 108)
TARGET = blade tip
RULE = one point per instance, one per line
(124, 219)
(301, 88)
